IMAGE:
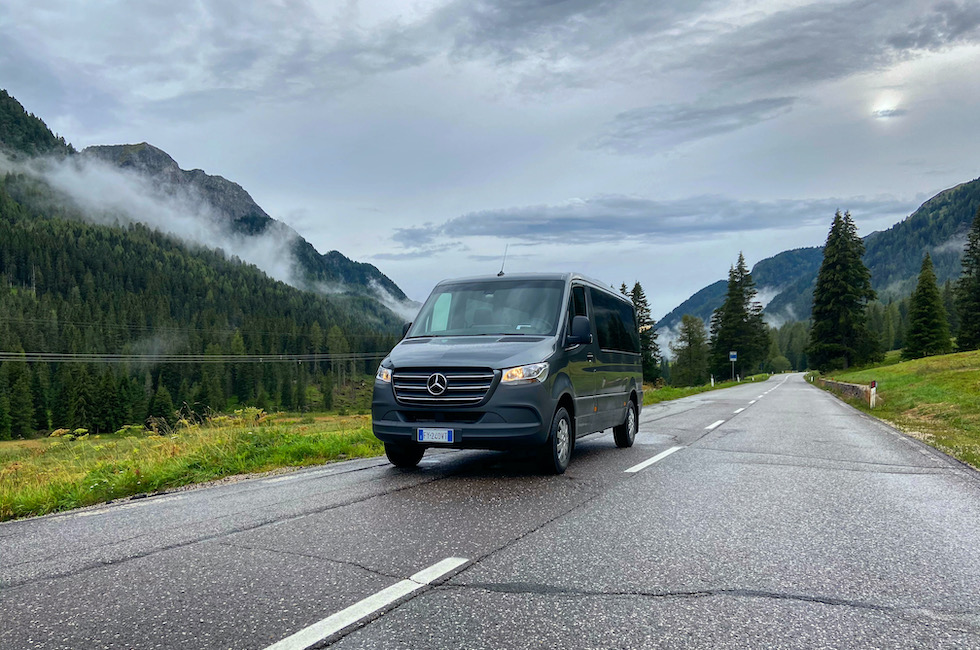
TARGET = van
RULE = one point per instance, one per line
(502, 362)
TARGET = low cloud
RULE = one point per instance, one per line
(612, 218)
(656, 128)
(105, 194)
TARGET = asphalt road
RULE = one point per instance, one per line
(780, 518)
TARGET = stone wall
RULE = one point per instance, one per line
(855, 391)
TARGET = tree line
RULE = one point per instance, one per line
(76, 288)
(848, 326)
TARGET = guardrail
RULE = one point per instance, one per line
(868, 394)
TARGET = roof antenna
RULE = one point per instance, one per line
(506, 246)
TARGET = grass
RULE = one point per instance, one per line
(653, 395)
(936, 399)
(54, 474)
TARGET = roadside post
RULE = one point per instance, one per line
(733, 357)
(872, 394)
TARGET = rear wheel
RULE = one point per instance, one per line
(625, 433)
(405, 455)
(558, 449)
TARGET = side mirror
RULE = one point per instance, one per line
(581, 333)
(405, 328)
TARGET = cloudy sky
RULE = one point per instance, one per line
(633, 141)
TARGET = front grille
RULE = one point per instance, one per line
(464, 386)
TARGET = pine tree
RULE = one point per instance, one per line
(968, 291)
(690, 366)
(928, 332)
(162, 405)
(649, 349)
(949, 303)
(738, 326)
(840, 336)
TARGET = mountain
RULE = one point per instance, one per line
(894, 257)
(228, 216)
(311, 271)
(105, 320)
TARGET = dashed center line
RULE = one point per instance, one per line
(714, 425)
(752, 402)
(737, 411)
(651, 461)
(329, 626)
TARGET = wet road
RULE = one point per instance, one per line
(766, 515)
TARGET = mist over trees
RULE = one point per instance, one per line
(74, 289)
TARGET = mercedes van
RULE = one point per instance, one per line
(500, 362)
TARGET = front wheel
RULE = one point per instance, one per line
(625, 433)
(558, 449)
(404, 455)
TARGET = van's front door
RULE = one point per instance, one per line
(581, 367)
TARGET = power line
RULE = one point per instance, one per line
(172, 329)
(67, 357)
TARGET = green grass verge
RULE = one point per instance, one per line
(653, 395)
(51, 474)
(936, 399)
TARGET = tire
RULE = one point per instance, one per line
(557, 451)
(404, 455)
(625, 433)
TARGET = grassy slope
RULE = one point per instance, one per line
(936, 399)
(51, 474)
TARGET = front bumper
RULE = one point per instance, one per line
(510, 416)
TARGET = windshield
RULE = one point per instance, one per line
(491, 307)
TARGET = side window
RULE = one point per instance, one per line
(576, 305)
(615, 323)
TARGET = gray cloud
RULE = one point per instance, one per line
(655, 128)
(948, 24)
(885, 113)
(823, 41)
(615, 218)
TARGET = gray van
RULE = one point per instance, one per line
(498, 362)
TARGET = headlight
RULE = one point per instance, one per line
(384, 374)
(532, 372)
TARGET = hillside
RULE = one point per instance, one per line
(894, 256)
(73, 289)
(117, 183)
(79, 287)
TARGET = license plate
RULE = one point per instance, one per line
(436, 435)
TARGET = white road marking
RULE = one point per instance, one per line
(761, 396)
(752, 401)
(737, 411)
(651, 461)
(332, 624)
(714, 425)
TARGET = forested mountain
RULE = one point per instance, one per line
(24, 134)
(231, 202)
(894, 257)
(102, 325)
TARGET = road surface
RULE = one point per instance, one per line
(766, 515)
